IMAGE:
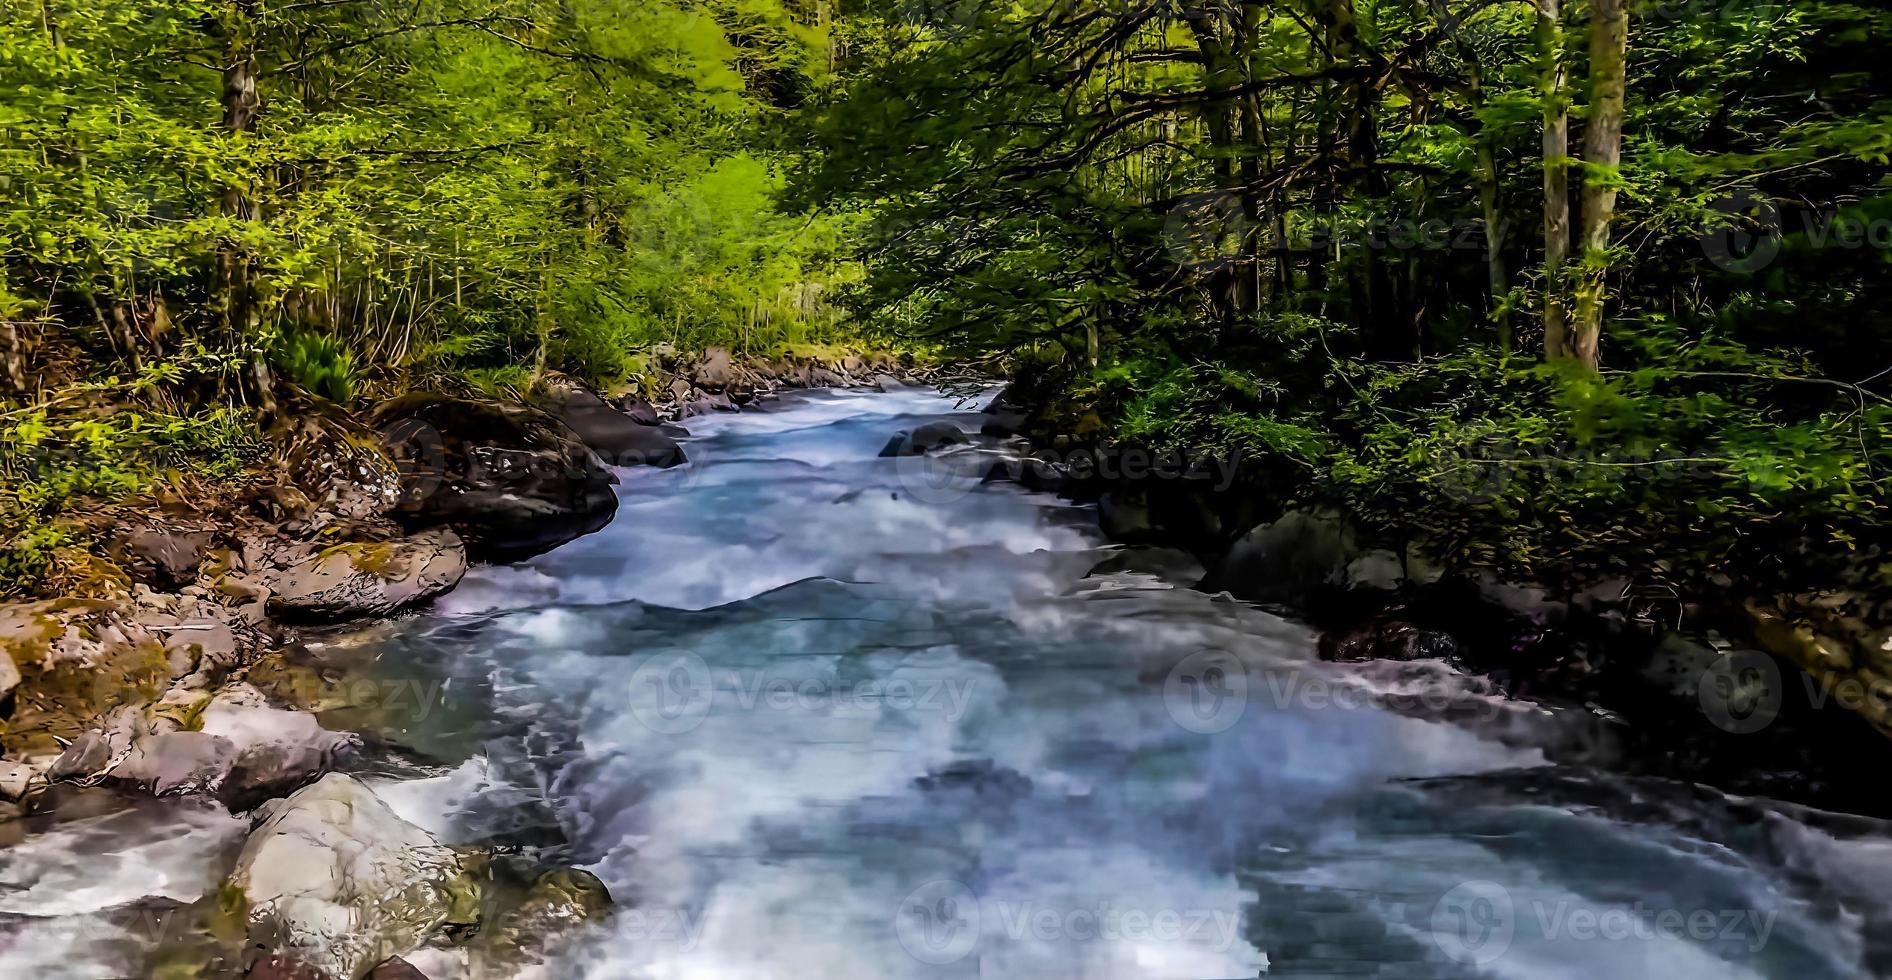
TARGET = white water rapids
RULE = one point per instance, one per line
(810, 719)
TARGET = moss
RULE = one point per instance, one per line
(57, 699)
(383, 560)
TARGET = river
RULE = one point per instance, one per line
(812, 713)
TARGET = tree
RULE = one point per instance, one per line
(1602, 153)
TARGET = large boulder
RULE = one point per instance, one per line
(165, 557)
(925, 439)
(76, 660)
(333, 881)
(9, 677)
(357, 579)
(708, 404)
(395, 968)
(512, 481)
(718, 372)
(1005, 415)
(232, 745)
(617, 437)
(1291, 558)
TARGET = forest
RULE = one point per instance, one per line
(1350, 474)
(211, 204)
(1555, 286)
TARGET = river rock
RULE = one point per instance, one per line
(78, 659)
(707, 404)
(1286, 560)
(333, 880)
(9, 677)
(336, 464)
(395, 968)
(638, 409)
(20, 782)
(925, 439)
(350, 581)
(617, 438)
(232, 745)
(165, 557)
(1390, 637)
(717, 372)
(1005, 415)
(1030, 472)
(558, 902)
(511, 480)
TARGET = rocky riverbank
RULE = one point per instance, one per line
(1784, 695)
(182, 675)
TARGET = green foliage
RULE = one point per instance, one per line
(51, 460)
(318, 364)
(456, 186)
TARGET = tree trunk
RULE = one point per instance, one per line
(1499, 279)
(1215, 38)
(1603, 153)
(1556, 176)
(241, 107)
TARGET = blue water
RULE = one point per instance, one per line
(814, 713)
(811, 713)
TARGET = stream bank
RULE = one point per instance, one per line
(1785, 694)
(827, 680)
(184, 675)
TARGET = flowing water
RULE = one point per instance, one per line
(811, 713)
